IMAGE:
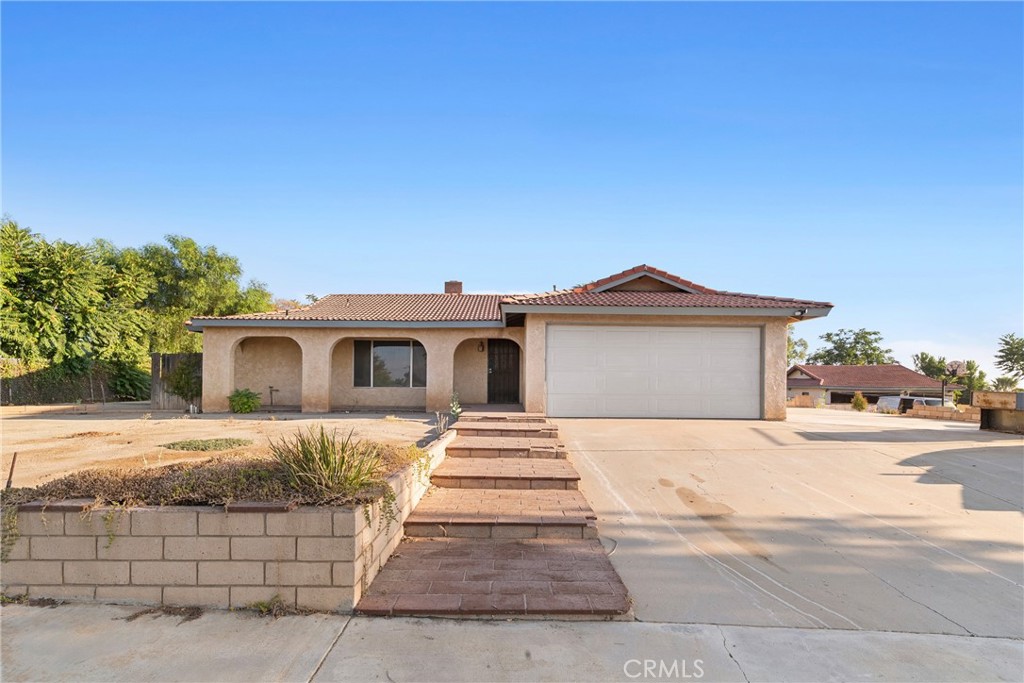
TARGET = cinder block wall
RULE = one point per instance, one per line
(962, 414)
(312, 558)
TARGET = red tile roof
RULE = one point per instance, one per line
(644, 268)
(391, 308)
(662, 299)
(895, 377)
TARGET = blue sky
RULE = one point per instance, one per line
(864, 154)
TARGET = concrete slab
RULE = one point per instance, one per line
(829, 520)
(96, 643)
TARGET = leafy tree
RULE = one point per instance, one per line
(1004, 384)
(859, 403)
(932, 366)
(796, 348)
(973, 379)
(62, 302)
(851, 347)
(1010, 357)
(191, 280)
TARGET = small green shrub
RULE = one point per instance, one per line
(129, 382)
(315, 459)
(206, 444)
(244, 401)
(186, 380)
(859, 403)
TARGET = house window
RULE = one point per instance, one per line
(389, 364)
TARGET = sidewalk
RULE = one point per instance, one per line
(94, 643)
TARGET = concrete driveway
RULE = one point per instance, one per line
(831, 520)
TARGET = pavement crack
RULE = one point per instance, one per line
(735, 661)
(327, 652)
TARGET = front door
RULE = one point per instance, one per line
(502, 371)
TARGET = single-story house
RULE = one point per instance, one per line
(640, 343)
(837, 383)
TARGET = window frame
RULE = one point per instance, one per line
(393, 343)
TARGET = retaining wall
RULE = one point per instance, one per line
(320, 558)
(963, 414)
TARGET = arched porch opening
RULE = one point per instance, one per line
(488, 371)
(378, 372)
(272, 367)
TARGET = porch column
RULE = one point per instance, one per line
(440, 373)
(316, 373)
(218, 369)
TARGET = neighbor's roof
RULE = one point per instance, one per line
(389, 307)
(862, 377)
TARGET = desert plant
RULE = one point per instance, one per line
(454, 407)
(206, 444)
(859, 403)
(244, 401)
(315, 459)
(442, 421)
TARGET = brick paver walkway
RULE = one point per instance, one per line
(504, 531)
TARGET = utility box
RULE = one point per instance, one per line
(1001, 411)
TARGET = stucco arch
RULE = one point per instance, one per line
(469, 372)
(260, 362)
(345, 396)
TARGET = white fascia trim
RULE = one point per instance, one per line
(198, 326)
(666, 310)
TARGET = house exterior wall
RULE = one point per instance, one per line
(318, 350)
(773, 357)
(345, 395)
(471, 372)
(264, 362)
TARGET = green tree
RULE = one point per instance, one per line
(192, 280)
(859, 403)
(796, 348)
(1010, 357)
(62, 302)
(851, 347)
(973, 379)
(1004, 384)
(932, 366)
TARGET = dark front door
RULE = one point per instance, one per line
(502, 371)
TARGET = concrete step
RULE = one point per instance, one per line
(504, 447)
(502, 417)
(510, 513)
(480, 578)
(520, 430)
(506, 473)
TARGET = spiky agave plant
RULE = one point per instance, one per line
(317, 459)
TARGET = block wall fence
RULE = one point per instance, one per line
(320, 558)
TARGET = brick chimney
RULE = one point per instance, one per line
(453, 287)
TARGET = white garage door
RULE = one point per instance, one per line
(619, 371)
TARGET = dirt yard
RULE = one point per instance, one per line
(50, 444)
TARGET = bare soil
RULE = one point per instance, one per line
(51, 444)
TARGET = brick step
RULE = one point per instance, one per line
(502, 417)
(504, 447)
(480, 578)
(506, 473)
(494, 513)
(521, 430)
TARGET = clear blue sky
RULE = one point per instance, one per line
(865, 154)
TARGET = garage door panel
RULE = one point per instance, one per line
(619, 371)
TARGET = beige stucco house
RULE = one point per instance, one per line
(641, 343)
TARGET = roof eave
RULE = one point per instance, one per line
(200, 324)
(787, 312)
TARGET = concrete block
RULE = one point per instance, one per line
(19, 549)
(197, 548)
(326, 549)
(130, 548)
(298, 574)
(244, 596)
(343, 574)
(63, 592)
(216, 523)
(164, 573)
(263, 548)
(301, 522)
(62, 548)
(231, 573)
(197, 596)
(30, 572)
(41, 523)
(514, 531)
(164, 522)
(129, 595)
(349, 522)
(102, 522)
(560, 531)
(326, 599)
(96, 572)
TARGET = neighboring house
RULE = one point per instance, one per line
(641, 343)
(836, 383)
